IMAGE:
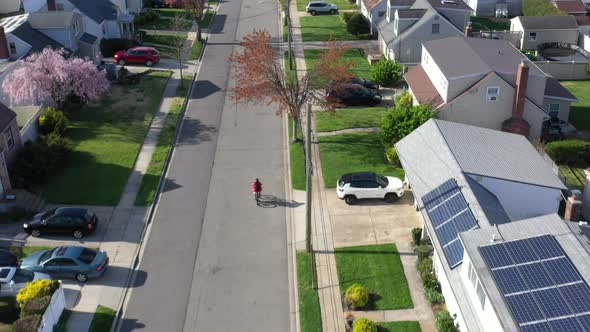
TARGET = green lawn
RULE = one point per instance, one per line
(63, 321)
(207, 19)
(171, 12)
(164, 43)
(403, 326)
(22, 252)
(107, 138)
(102, 320)
(310, 319)
(297, 157)
(195, 50)
(369, 117)
(355, 152)
(379, 268)
(149, 183)
(359, 64)
(574, 176)
(342, 4)
(489, 23)
(324, 28)
(290, 74)
(580, 111)
(162, 24)
(539, 8)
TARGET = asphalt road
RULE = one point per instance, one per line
(214, 260)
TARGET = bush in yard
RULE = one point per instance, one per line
(416, 236)
(36, 289)
(108, 47)
(386, 72)
(568, 152)
(404, 99)
(444, 322)
(434, 296)
(429, 280)
(364, 325)
(357, 296)
(358, 25)
(35, 306)
(424, 265)
(27, 324)
(423, 251)
(53, 121)
(345, 16)
(400, 121)
(391, 156)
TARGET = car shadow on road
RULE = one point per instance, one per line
(270, 201)
(130, 324)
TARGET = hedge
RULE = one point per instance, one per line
(568, 152)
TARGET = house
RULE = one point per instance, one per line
(487, 83)
(465, 179)
(407, 24)
(496, 8)
(571, 7)
(9, 6)
(10, 144)
(537, 30)
(373, 10)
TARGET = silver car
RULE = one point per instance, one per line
(314, 7)
(12, 279)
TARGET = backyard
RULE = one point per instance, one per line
(580, 111)
(539, 8)
(358, 62)
(345, 118)
(489, 24)
(107, 137)
(324, 28)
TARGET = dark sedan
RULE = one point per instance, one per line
(66, 220)
(353, 94)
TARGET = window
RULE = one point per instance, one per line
(480, 294)
(9, 138)
(472, 274)
(435, 28)
(12, 46)
(492, 93)
(553, 110)
(533, 36)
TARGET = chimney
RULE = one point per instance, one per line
(516, 124)
(468, 30)
(51, 6)
(4, 55)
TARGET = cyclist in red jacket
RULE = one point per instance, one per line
(256, 189)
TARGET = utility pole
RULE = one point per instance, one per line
(289, 34)
(308, 180)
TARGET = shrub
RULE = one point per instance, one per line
(424, 265)
(588, 67)
(108, 47)
(346, 16)
(423, 251)
(391, 156)
(36, 289)
(357, 296)
(27, 324)
(364, 325)
(434, 296)
(416, 236)
(386, 72)
(568, 152)
(400, 121)
(35, 306)
(404, 99)
(429, 280)
(444, 322)
(53, 120)
(358, 25)
(147, 17)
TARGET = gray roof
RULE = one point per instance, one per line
(401, 3)
(543, 225)
(555, 89)
(6, 116)
(411, 13)
(489, 203)
(36, 39)
(53, 19)
(563, 22)
(496, 154)
(87, 38)
(97, 10)
(449, 4)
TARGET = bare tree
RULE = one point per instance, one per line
(178, 45)
(196, 9)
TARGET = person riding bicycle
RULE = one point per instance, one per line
(256, 188)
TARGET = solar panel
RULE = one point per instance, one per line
(450, 215)
(542, 287)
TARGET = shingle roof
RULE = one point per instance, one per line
(401, 3)
(6, 116)
(53, 19)
(548, 22)
(422, 87)
(97, 10)
(22, 29)
(449, 4)
(553, 88)
(88, 38)
(570, 6)
(370, 4)
(411, 13)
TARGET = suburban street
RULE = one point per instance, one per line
(214, 260)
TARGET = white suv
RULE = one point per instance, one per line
(353, 186)
(314, 7)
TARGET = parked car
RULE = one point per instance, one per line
(12, 279)
(353, 186)
(7, 258)
(353, 94)
(360, 81)
(143, 55)
(65, 220)
(315, 7)
(75, 262)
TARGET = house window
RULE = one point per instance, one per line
(472, 275)
(533, 36)
(9, 138)
(492, 93)
(480, 294)
(553, 110)
(435, 28)
(12, 46)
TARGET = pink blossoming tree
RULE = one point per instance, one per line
(49, 76)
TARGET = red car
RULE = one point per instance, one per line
(147, 55)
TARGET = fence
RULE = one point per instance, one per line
(53, 311)
(555, 168)
(564, 70)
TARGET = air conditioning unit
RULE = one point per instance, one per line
(493, 98)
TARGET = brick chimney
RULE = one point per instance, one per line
(516, 124)
(4, 55)
(51, 5)
(468, 30)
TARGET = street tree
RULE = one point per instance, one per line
(178, 44)
(51, 77)
(196, 8)
(260, 77)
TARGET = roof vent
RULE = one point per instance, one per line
(448, 2)
(493, 238)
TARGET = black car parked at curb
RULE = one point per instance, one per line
(66, 220)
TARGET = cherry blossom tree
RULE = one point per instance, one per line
(48, 76)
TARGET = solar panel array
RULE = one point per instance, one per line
(543, 288)
(450, 215)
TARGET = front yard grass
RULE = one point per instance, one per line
(379, 268)
(102, 320)
(310, 319)
(149, 183)
(324, 28)
(345, 118)
(354, 152)
(195, 52)
(580, 111)
(360, 66)
(107, 138)
(402, 326)
(489, 24)
(171, 12)
(342, 4)
(297, 157)
(207, 19)
(539, 8)
(164, 43)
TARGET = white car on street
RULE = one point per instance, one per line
(353, 186)
(12, 279)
